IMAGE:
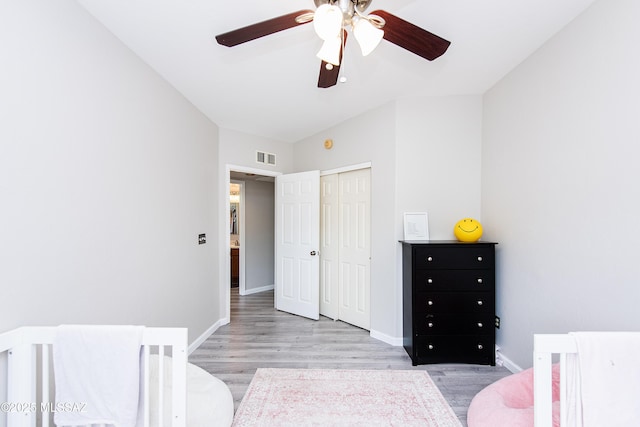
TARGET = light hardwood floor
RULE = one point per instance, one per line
(261, 337)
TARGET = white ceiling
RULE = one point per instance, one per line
(267, 87)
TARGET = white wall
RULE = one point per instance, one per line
(107, 176)
(438, 160)
(560, 181)
(239, 149)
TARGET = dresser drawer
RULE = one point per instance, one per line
(459, 348)
(454, 280)
(454, 302)
(438, 324)
(460, 257)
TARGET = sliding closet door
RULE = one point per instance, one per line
(355, 247)
(329, 246)
(345, 239)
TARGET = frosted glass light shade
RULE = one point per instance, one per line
(367, 35)
(327, 21)
(330, 51)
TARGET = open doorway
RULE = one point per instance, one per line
(236, 229)
(251, 231)
(250, 239)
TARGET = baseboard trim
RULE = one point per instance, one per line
(502, 360)
(395, 341)
(202, 338)
(257, 290)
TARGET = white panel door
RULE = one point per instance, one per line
(297, 243)
(329, 246)
(355, 247)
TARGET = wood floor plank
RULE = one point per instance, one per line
(261, 337)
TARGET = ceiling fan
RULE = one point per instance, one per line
(331, 19)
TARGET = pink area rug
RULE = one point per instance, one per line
(320, 397)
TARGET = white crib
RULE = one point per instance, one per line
(26, 376)
(545, 347)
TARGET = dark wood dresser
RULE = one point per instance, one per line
(449, 301)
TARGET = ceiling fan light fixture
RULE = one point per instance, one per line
(332, 20)
(367, 34)
(330, 51)
(327, 21)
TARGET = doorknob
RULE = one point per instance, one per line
(312, 253)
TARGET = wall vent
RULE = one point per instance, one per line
(265, 158)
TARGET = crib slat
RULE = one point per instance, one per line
(542, 410)
(161, 386)
(179, 389)
(145, 385)
(21, 388)
(45, 384)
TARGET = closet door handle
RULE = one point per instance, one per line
(312, 253)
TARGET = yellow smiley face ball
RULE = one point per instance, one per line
(468, 230)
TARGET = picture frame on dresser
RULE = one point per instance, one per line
(416, 226)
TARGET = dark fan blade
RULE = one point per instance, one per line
(261, 29)
(411, 37)
(328, 77)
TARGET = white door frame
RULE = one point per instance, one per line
(223, 244)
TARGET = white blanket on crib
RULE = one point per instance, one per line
(607, 368)
(97, 374)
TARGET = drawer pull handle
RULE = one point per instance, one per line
(429, 302)
(429, 258)
(479, 281)
(480, 302)
(429, 281)
(430, 346)
(480, 259)
(479, 324)
(430, 324)
(480, 346)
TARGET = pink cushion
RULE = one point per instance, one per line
(509, 402)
